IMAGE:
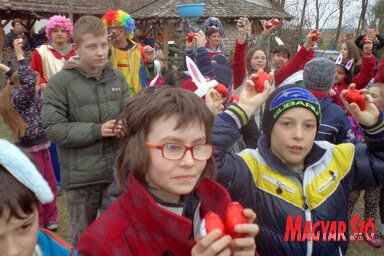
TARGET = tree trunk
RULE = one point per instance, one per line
(341, 10)
(317, 25)
(364, 4)
(303, 15)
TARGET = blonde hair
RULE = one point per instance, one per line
(88, 25)
(11, 117)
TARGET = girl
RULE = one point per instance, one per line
(20, 108)
(343, 75)
(350, 51)
(22, 190)
(167, 192)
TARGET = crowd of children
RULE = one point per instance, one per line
(173, 156)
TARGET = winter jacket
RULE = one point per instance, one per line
(335, 126)
(379, 78)
(50, 244)
(48, 61)
(260, 181)
(144, 227)
(76, 104)
(25, 101)
(295, 64)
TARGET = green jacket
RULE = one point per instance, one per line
(76, 104)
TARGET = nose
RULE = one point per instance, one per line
(187, 160)
(298, 133)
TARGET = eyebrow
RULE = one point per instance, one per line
(292, 118)
(179, 140)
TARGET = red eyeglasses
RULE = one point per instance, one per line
(174, 151)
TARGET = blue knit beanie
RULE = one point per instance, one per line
(285, 98)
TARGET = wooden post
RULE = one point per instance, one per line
(165, 34)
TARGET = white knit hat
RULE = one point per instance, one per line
(21, 167)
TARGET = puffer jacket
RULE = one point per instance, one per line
(260, 181)
(76, 104)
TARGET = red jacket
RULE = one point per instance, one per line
(295, 64)
(136, 225)
(379, 78)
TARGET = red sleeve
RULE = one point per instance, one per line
(238, 65)
(37, 65)
(295, 64)
(366, 73)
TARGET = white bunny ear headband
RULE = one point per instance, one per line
(21, 167)
(339, 61)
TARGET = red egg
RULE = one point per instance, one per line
(259, 81)
(268, 25)
(190, 37)
(353, 96)
(275, 22)
(234, 215)
(213, 221)
(222, 90)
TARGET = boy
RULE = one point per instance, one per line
(80, 106)
(290, 174)
(22, 190)
(167, 192)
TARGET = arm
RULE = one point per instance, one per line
(381, 41)
(379, 78)
(298, 61)
(238, 64)
(359, 41)
(367, 67)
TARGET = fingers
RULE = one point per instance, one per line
(212, 244)
(111, 128)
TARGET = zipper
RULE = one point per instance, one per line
(328, 182)
(278, 183)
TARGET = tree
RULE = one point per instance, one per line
(339, 24)
(362, 21)
(378, 13)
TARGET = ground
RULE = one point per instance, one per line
(355, 248)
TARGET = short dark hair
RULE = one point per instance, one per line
(210, 31)
(14, 196)
(13, 23)
(282, 49)
(147, 107)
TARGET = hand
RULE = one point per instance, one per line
(42, 86)
(149, 53)
(190, 44)
(110, 129)
(4, 68)
(250, 100)
(369, 116)
(200, 39)
(312, 38)
(243, 26)
(331, 92)
(17, 44)
(212, 244)
(268, 29)
(214, 101)
(111, 39)
(246, 245)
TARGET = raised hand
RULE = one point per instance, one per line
(250, 101)
(369, 116)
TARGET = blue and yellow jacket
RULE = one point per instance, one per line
(259, 180)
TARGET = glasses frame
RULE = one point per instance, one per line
(186, 148)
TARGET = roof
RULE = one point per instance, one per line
(213, 8)
(10, 9)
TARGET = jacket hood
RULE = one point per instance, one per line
(74, 63)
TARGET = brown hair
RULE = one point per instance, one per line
(88, 25)
(211, 31)
(13, 23)
(14, 196)
(10, 116)
(353, 52)
(248, 59)
(142, 111)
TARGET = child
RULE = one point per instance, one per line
(290, 174)
(81, 103)
(167, 191)
(20, 108)
(373, 35)
(22, 190)
(343, 75)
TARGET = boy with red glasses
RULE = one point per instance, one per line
(163, 165)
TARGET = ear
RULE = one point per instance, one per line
(339, 59)
(349, 64)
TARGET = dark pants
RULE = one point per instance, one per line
(83, 205)
(55, 163)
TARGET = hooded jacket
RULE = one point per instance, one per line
(259, 180)
(76, 104)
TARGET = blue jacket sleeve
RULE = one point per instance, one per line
(201, 57)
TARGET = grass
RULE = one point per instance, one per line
(355, 248)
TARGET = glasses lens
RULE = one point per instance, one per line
(202, 152)
(173, 151)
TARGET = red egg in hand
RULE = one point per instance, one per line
(275, 22)
(210, 222)
(190, 37)
(268, 25)
(259, 81)
(222, 90)
(234, 215)
(353, 96)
